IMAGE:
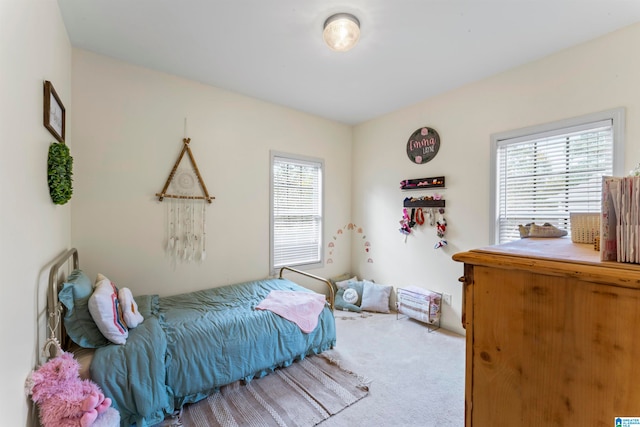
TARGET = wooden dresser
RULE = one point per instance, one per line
(553, 335)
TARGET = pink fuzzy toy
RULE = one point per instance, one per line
(65, 400)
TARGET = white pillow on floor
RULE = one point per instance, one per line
(375, 297)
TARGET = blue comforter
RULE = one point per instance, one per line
(190, 345)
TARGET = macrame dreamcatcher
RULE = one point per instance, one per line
(186, 219)
(186, 211)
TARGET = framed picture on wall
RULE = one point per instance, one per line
(54, 115)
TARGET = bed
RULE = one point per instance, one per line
(188, 345)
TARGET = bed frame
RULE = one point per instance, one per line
(58, 339)
(331, 298)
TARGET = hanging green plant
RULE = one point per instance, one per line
(60, 170)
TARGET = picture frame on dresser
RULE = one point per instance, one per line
(54, 112)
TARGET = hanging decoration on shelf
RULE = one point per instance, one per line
(186, 209)
(423, 145)
(405, 227)
(422, 210)
(441, 228)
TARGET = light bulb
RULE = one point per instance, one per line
(341, 31)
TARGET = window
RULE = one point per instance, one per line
(296, 211)
(541, 174)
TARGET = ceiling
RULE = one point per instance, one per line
(409, 50)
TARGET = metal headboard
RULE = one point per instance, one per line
(57, 335)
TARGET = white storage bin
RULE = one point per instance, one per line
(585, 226)
(419, 304)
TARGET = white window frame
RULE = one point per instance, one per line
(617, 117)
(320, 164)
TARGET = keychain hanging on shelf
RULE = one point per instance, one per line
(431, 216)
(404, 224)
(441, 228)
(412, 222)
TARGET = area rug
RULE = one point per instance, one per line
(302, 395)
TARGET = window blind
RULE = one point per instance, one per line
(545, 176)
(297, 212)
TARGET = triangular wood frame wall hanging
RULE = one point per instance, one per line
(163, 193)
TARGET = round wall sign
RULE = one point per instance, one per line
(423, 145)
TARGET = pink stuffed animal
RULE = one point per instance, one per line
(65, 400)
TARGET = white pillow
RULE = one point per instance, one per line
(99, 278)
(130, 313)
(375, 297)
(105, 310)
(344, 283)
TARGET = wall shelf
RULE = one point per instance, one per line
(423, 188)
(422, 183)
(424, 203)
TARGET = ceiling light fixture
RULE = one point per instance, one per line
(341, 31)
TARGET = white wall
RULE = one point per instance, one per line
(129, 125)
(33, 47)
(598, 75)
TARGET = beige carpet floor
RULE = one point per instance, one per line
(417, 377)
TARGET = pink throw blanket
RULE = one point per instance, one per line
(302, 308)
